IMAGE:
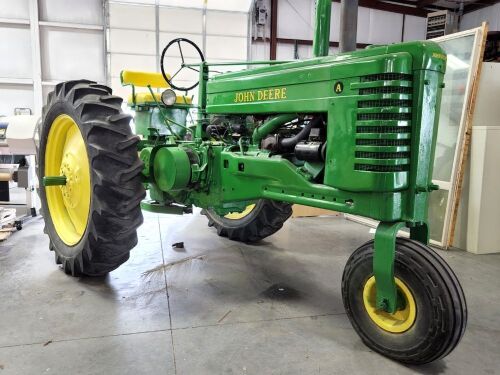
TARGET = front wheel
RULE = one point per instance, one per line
(432, 315)
(258, 221)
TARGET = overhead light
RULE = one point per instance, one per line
(168, 97)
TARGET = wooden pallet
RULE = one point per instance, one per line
(7, 219)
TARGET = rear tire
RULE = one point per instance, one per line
(436, 295)
(265, 219)
(115, 178)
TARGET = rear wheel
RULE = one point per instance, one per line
(259, 220)
(432, 315)
(92, 217)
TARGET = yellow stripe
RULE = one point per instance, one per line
(143, 79)
(146, 97)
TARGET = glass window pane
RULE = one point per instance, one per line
(459, 51)
(437, 213)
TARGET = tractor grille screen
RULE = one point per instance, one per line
(386, 90)
(387, 77)
(384, 116)
(381, 168)
(384, 103)
(382, 155)
(383, 129)
(383, 123)
(382, 142)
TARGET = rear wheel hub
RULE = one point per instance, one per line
(66, 155)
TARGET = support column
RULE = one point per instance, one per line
(204, 29)
(348, 25)
(157, 35)
(105, 42)
(274, 30)
(36, 58)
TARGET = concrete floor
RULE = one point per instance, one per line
(273, 308)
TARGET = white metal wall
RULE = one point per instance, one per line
(134, 33)
(490, 14)
(44, 42)
(16, 79)
(132, 41)
(296, 21)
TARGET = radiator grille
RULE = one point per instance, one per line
(382, 142)
(386, 90)
(383, 129)
(384, 122)
(384, 116)
(384, 103)
(382, 155)
(381, 168)
(387, 77)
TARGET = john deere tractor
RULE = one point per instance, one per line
(353, 132)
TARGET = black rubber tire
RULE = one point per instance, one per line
(264, 220)
(441, 308)
(115, 169)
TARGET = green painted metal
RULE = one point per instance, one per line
(202, 100)
(160, 120)
(381, 109)
(169, 121)
(145, 156)
(271, 126)
(321, 43)
(54, 180)
(383, 264)
(419, 232)
(157, 208)
(238, 63)
(172, 168)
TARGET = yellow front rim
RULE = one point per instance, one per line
(240, 215)
(401, 320)
(66, 154)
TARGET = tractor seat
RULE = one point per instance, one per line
(144, 79)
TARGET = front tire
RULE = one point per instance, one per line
(256, 222)
(92, 219)
(432, 319)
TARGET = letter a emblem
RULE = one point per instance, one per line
(338, 87)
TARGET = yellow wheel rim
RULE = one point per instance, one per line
(66, 154)
(240, 215)
(401, 320)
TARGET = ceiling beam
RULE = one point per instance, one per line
(425, 3)
(478, 5)
(390, 7)
(428, 8)
(305, 42)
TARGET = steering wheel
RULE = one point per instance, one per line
(179, 42)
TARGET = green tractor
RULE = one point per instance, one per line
(354, 133)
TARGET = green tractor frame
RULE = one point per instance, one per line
(354, 133)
